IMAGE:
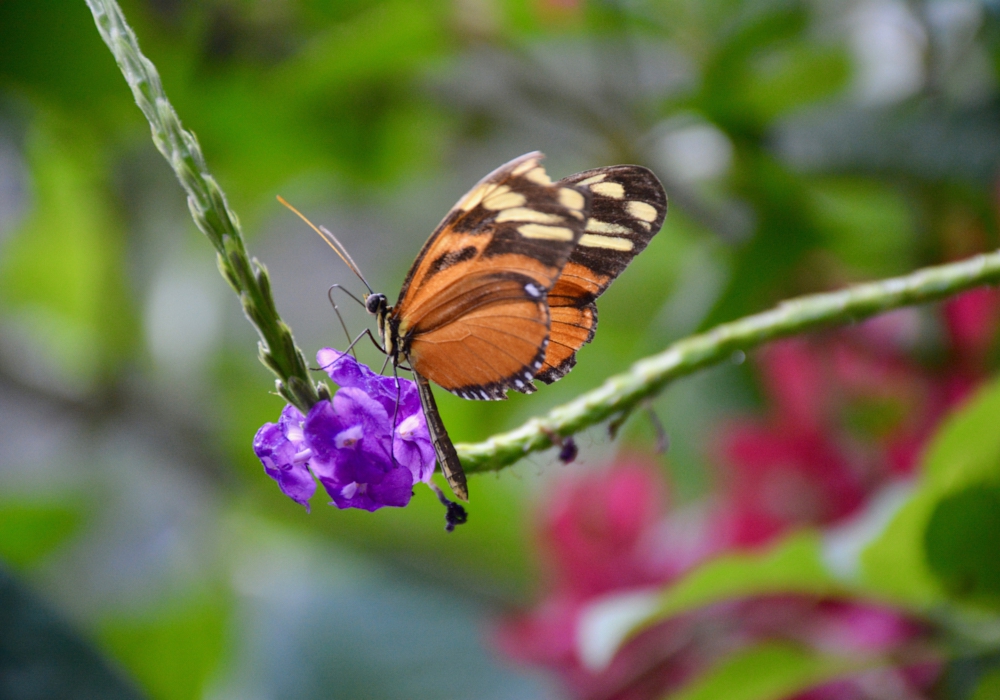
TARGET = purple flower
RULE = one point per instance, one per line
(345, 442)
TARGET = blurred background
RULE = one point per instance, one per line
(804, 146)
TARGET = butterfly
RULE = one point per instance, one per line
(503, 292)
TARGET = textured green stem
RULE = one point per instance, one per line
(209, 209)
(624, 392)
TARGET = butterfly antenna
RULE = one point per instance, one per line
(331, 241)
(344, 254)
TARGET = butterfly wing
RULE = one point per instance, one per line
(473, 314)
(627, 209)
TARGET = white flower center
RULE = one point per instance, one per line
(347, 438)
(406, 429)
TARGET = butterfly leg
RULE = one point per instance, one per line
(395, 412)
(350, 347)
(329, 295)
(446, 454)
(454, 512)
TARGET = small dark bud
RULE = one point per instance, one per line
(568, 451)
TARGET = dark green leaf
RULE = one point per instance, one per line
(963, 543)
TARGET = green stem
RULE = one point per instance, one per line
(622, 393)
(211, 212)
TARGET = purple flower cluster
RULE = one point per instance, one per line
(345, 442)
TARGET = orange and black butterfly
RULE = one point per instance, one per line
(503, 291)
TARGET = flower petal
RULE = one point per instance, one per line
(413, 447)
(278, 455)
(395, 489)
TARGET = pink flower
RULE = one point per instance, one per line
(603, 532)
(780, 478)
(972, 320)
(597, 530)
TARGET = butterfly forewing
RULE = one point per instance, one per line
(627, 208)
(473, 314)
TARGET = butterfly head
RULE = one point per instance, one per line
(376, 304)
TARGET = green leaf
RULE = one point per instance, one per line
(794, 565)
(848, 210)
(964, 454)
(768, 672)
(30, 530)
(894, 565)
(966, 448)
(962, 541)
(989, 687)
(173, 652)
(793, 76)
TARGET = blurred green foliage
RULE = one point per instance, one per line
(962, 529)
(174, 653)
(31, 530)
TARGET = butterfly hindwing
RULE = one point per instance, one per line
(495, 344)
(473, 315)
(627, 208)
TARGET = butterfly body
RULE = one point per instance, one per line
(503, 291)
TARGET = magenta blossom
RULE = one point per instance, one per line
(345, 443)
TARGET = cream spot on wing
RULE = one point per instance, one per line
(609, 189)
(503, 198)
(524, 167)
(642, 211)
(589, 240)
(598, 226)
(528, 215)
(592, 179)
(552, 233)
(571, 198)
(474, 197)
(538, 176)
